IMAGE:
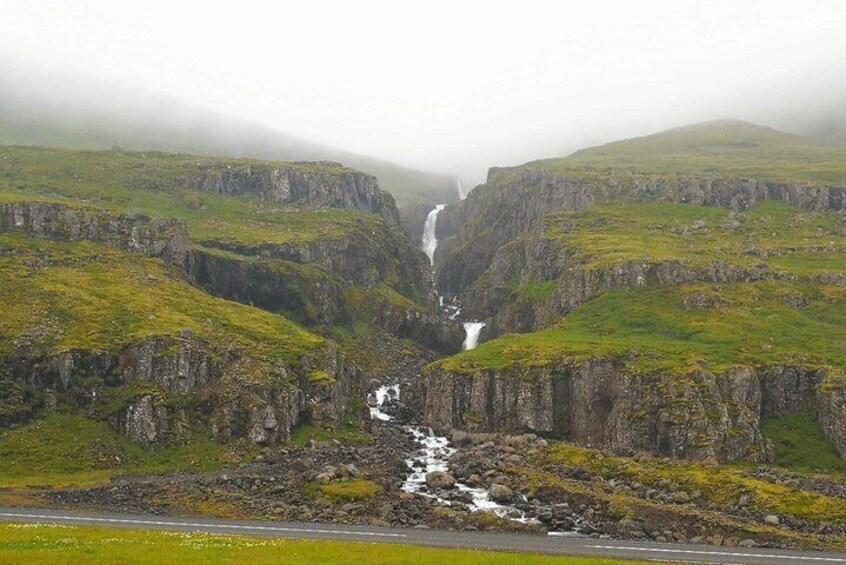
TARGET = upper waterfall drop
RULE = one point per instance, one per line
(472, 329)
(430, 241)
(460, 187)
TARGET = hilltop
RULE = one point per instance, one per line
(722, 147)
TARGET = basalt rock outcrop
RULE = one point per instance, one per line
(307, 293)
(374, 255)
(309, 185)
(164, 389)
(137, 233)
(598, 403)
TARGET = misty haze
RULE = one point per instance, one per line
(390, 283)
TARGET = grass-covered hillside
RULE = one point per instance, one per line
(677, 329)
(579, 254)
(60, 296)
(756, 286)
(732, 167)
(229, 207)
(111, 339)
(772, 236)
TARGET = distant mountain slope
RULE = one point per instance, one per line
(722, 146)
(165, 125)
(829, 129)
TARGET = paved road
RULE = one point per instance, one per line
(470, 540)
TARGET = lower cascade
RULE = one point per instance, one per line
(433, 456)
(473, 330)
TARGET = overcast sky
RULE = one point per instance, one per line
(450, 86)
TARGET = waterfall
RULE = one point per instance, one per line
(472, 329)
(460, 187)
(430, 241)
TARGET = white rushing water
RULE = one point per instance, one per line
(430, 240)
(434, 454)
(382, 394)
(472, 329)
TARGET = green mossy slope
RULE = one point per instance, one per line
(678, 329)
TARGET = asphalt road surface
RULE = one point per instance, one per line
(555, 545)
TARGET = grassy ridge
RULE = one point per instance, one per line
(773, 235)
(678, 329)
(156, 184)
(21, 125)
(47, 545)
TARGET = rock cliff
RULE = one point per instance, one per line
(165, 388)
(620, 269)
(598, 403)
(152, 237)
(310, 185)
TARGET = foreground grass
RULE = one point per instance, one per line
(49, 545)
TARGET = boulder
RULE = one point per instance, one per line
(500, 493)
(439, 479)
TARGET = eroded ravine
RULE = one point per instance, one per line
(432, 456)
(434, 451)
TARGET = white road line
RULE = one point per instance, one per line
(720, 553)
(196, 525)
